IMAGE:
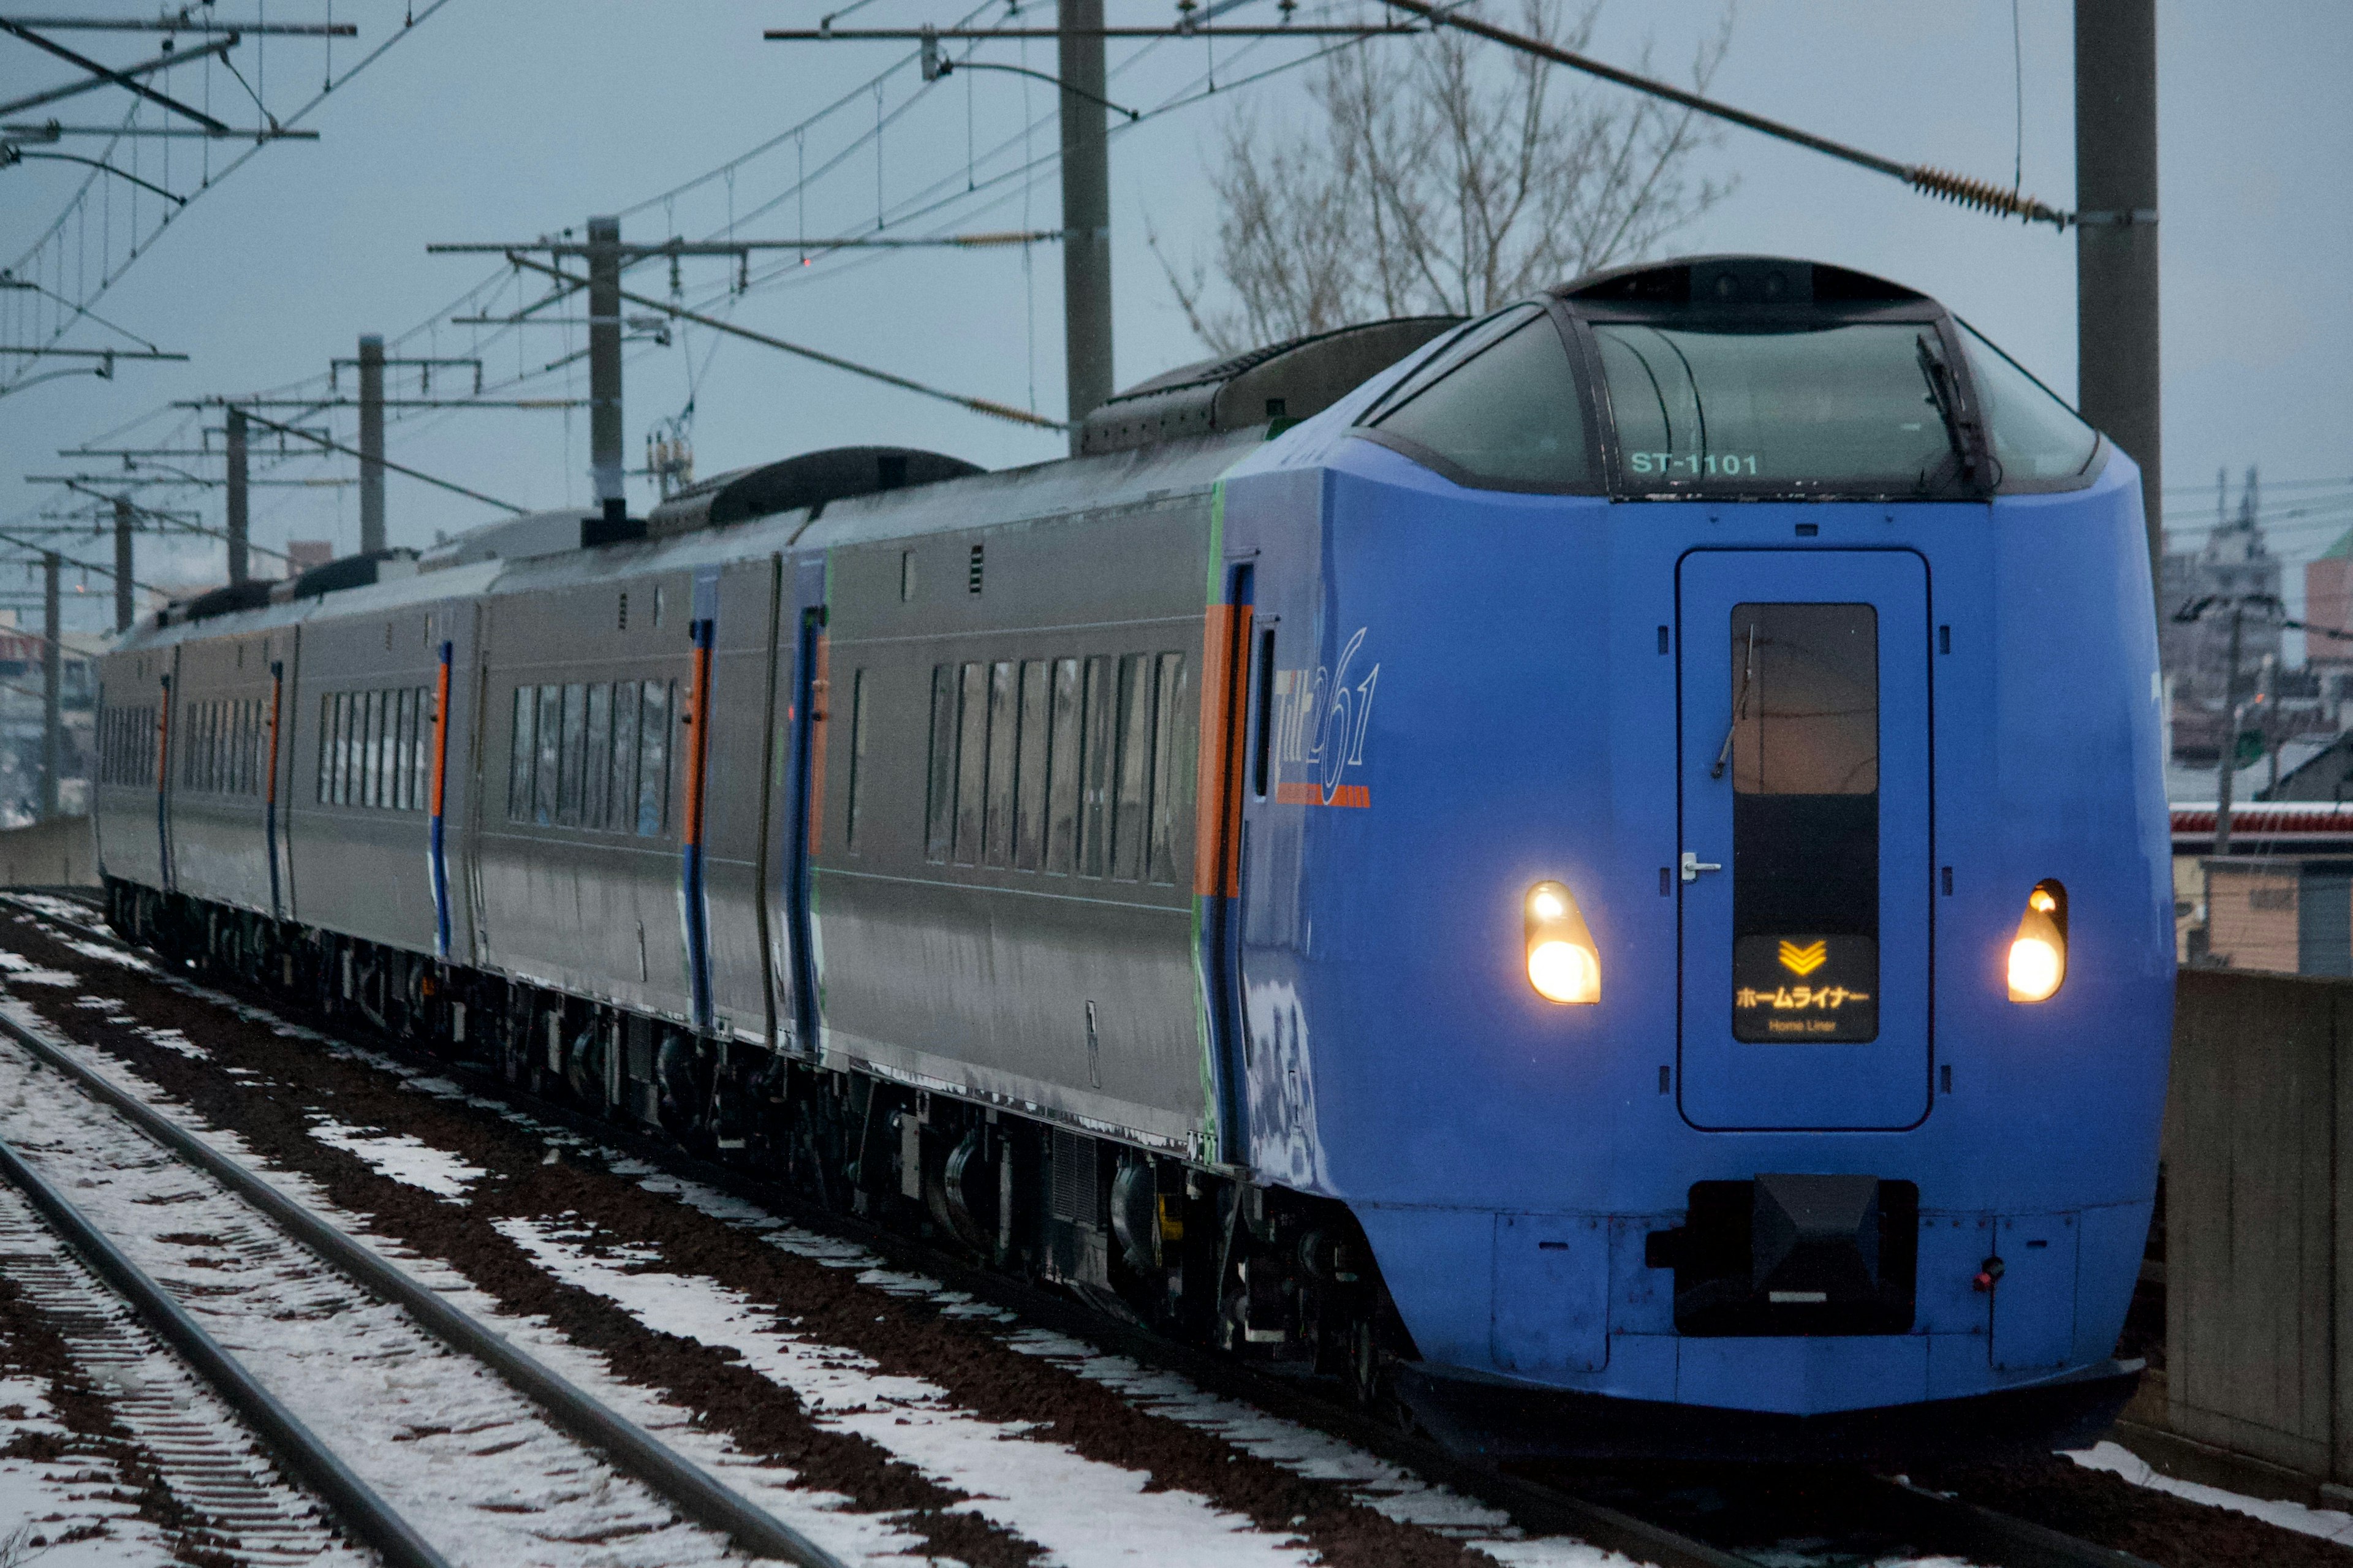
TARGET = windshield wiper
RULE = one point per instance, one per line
(1739, 706)
(1945, 394)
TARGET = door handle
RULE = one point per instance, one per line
(1693, 866)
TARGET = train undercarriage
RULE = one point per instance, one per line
(1261, 1273)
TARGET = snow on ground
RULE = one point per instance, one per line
(162, 1417)
(18, 970)
(2328, 1524)
(467, 1461)
(65, 910)
(867, 1539)
(49, 1498)
(1081, 1510)
(401, 1157)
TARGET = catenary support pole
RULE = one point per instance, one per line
(371, 443)
(53, 658)
(605, 366)
(1086, 211)
(2227, 771)
(2115, 240)
(123, 610)
(239, 517)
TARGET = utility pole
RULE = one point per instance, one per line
(1086, 211)
(2116, 241)
(123, 607)
(2228, 769)
(239, 518)
(371, 443)
(605, 366)
(53, 658)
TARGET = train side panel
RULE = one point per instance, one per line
(358, 832)
(1002, 895)
(132, 692)
(219, 771)
(575, 870)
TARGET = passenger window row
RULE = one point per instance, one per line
(593, 755)
(1062, 766)
(126, 746)
(375, 749)
(224, 752)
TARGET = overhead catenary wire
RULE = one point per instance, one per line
(976, 405)
(1958, 188)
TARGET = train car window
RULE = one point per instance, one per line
(572, 787)
(1852, 405)
(621, 803)
(551, 756)
(371, 780)
(1172, 768)
(599, 768)
(1029, 774)
(346, 705)
(521, 748)
(1805, 819)
(1063, 772)
(421, 754)
(352, 750)
(1004, 739)
(388, 765)
(1508, 416)
(1134, 769)
(1095, 759)
(972, 761)
(404, 743)
(2035, 436)
(654, 706)
(326, 746)
(939, 796)
(857, 756)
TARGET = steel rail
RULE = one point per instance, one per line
(367, 1516)
(1950, 1523)
(683, 1483)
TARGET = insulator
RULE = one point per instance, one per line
(1982, 194)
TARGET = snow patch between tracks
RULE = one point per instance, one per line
(1081, 1510)
(2328, 1524)
(401, 1157)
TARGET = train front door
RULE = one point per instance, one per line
(1805, 876)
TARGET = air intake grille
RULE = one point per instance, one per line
(1075, 1197)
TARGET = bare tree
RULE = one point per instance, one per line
(1444, 176)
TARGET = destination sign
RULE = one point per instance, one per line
(1804, 988)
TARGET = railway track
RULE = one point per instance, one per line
(626, 1447)
(1638, 1519)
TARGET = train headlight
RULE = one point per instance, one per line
(1563, 963)
(2038, 954)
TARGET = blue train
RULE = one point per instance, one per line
(1598, 876)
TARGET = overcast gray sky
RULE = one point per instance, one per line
(504, 118)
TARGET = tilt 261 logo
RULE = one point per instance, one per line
(1320, 719)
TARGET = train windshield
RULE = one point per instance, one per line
(1828, 408)
(2035, 436)
(1500, 410)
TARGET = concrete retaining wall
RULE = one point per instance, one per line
(2259, 1219)
(58, 853)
